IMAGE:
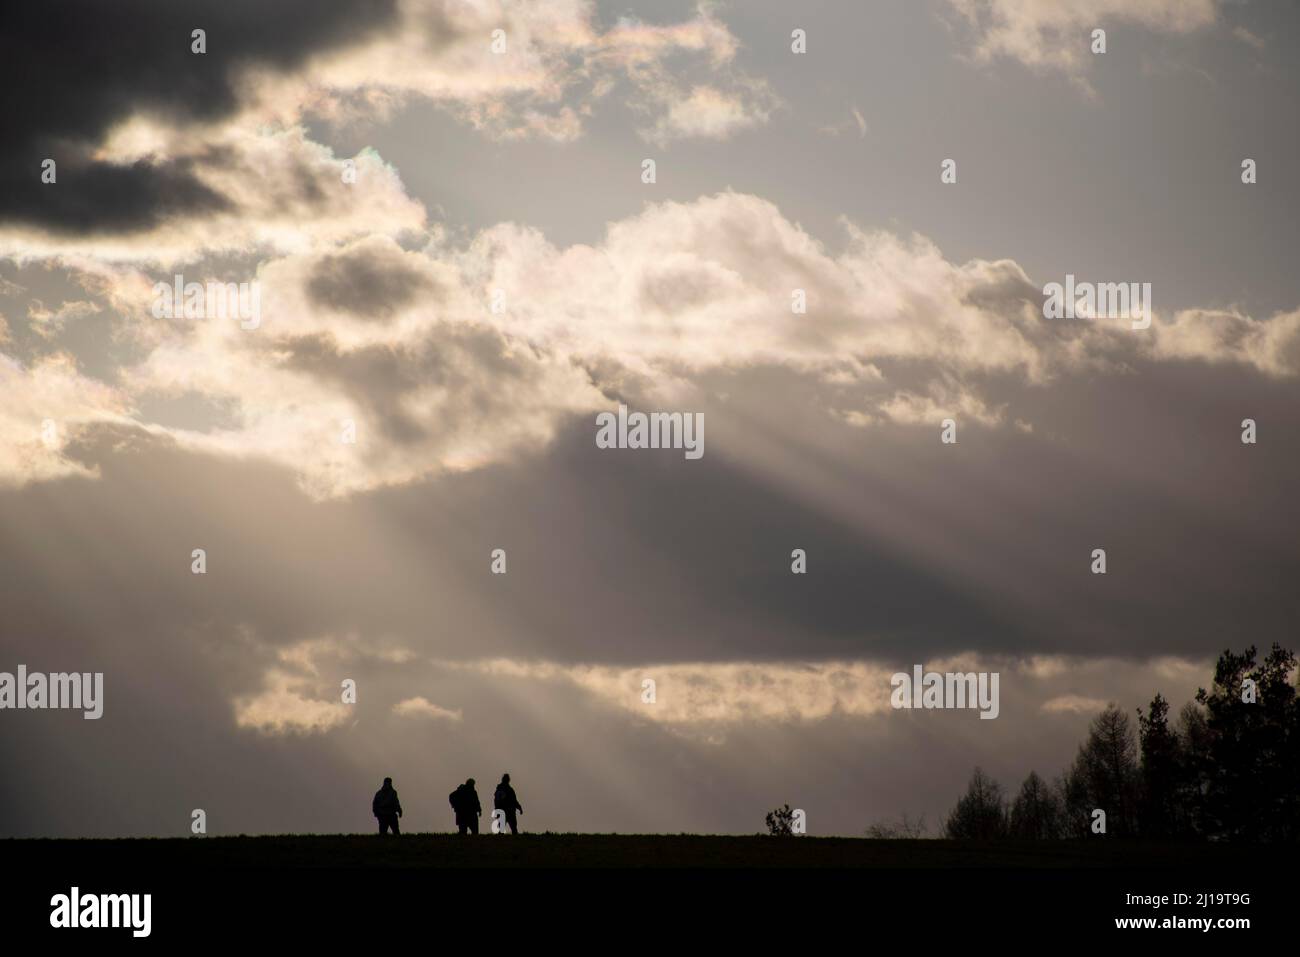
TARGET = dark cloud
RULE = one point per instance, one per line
(474, 369)
(369, 282)
(75, 68)
(918, 550)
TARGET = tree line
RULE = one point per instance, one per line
(1228, 768)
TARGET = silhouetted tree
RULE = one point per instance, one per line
(1104, 775)
(1036, 811)
(780, 823)
(1251, 764)
(1194, 735)
(1167, 801)
(981, 812)
(1230, 770)
(1072, 793)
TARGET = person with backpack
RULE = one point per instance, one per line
(505, 800)
(464, 801)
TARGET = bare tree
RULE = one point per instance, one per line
(1104, 775)
(981, 812)
(1036, 812)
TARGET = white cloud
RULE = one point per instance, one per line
(699, 696)
(1055, 35)
(718, 692)
(293, 699)
(49, 323)
(405, 344)
(421, 707)
(708, 113)
(557, 65)
(1074, 704)
(1271, 346)
(284, 706)
(1248, 38)
(43, 407)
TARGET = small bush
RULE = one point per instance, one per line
(904, 829)
(780, 823)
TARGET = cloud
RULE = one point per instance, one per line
(371, 280)
(1248, 38)
(855, 121)
(708, 113)
(135, 59)
(703, 698)
(164, 155)
(406, 348)
(710, 282)
(1074, 704)
(722, 692)
(421, 707)
(460, 398)
(284, 707)
(282, 193)
(48, 323)
(550, 66)
(1055, 35)
(1271, 346)
(293, 698)
(43, 407)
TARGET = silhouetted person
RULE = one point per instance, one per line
(387, 808)
(505, 800)
(464, 801)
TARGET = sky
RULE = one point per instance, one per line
(459, 264)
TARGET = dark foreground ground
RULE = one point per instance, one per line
(514, 893)
(611, 850)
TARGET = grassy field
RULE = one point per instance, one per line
(607, 850)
